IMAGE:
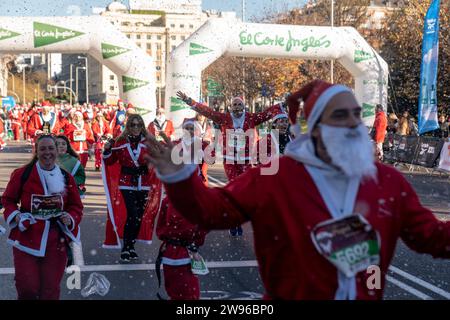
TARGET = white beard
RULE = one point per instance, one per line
(161, 119)
(350, 150)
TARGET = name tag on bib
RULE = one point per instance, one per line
(350, 244)
(46, 207)
(79, 135)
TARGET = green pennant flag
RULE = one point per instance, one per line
(109, 50)
(45, 34)
(131, 83)
(368, 110)
(195, 48)
(361, 56)
(177, 104)
(6, 34)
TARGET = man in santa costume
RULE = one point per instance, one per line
(161, 123)
(89, 114)
(43, 122)
(2, 132)
(234, 124)
(80, 136)
(117, 117)
(328, 213)
(15, 117)
(102, 132)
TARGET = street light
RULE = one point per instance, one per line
(87, 77)
(71, 78)
(13, 81)
(76, 79)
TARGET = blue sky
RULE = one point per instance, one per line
(254, 8)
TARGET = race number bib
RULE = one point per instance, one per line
(46, 128)
(46, 207)
(79, 135)
(350, 243)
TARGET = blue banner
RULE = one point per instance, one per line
(8, 103)
(428, 118)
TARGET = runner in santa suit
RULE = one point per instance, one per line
(102, 132)
(161, 123)
(16, 121)
(134, 182)
(2, 134)
(44, 122)
(44, 223)
(118, 117)
(237, 148)
(25, 120)
(327, 214)
(180, 238)
(89, 114)
(80, 136)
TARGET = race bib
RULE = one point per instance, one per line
(79, 135)
(46, 128)
(198, 265)
(46, 207)
(350, 243)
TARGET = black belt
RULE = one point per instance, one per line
(139, 171)
(180, 243)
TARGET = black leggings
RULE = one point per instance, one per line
(135, 202)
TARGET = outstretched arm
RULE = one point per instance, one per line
(266, 115)
(203, 109)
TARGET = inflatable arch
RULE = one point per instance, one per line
(227, 36)
(92, 35)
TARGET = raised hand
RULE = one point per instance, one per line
(181, 95)
(160, 154)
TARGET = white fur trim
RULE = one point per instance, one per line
(11, 219)
(69, 233)
(182, 174)
(2, 230)
(175, 262)
(107, 246)
(280, 116)
(322, 101)
(33, 252)
(75, 168)
(26, 216)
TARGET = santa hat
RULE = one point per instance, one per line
(46, 103)
(315, 96)
(78, 113)
(130, 106)
(239, 99)
(188, 121)
(280, 114)
(119, 101)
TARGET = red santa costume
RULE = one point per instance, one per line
(161, 123)
(180, 239)
(102, 131)
(25, 120)
(118, 118)
(291, 212)
(81, 137)
(89, 114)
(43, 123)
(125, 169)
(2, 134)
(16, 122)
(39, 242)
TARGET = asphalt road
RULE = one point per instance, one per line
(233, 270)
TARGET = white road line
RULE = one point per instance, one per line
(77, 252)
(420, 282)
(216, 181)
(144, 267)
(409, 289)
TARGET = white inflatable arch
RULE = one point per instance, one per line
(228, 36)
(95, 36)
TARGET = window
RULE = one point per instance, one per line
(183, 38)
(149, 37)
(173, 37)
(129, 36)
(111, 88)
(173, 47)
(139, 45)
(138, 36)
(191, 26)
(172, 25)
(181, 25)
(159, 37)
(111, 77)
(158, 46)
(149, 46)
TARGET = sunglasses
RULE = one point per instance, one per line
(135, 125)
(238, 105)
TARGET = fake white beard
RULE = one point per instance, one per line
(350, 150)
(55, 180)
(47, 117)
(161, 119)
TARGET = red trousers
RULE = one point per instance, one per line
(98, 154)
(181, 283)
(232, 171)
(25, 131)
(16, 131)
(84, 157)
(39, 278)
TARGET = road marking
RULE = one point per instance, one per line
(420, 282)
(77, 252)
(150, 266)
(221, 183)
(409, 289)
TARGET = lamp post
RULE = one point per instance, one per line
(71, 80)
(13, 82)
(87, 77)
(76, 79)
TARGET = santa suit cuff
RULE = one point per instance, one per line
(26, 220)
(2, 230)
(11, 221)
(181, 175)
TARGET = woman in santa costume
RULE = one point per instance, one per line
(69, 160)
(128, 183)
(80, 136)
(238, 149)
(15, 117)
(102, 132)
(44, 122)
(44, 223)
(180, 238)
(328, 213)
(2, 134)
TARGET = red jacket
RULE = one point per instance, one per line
(122, 152)
(100, 129)
(167, 127)
(37, 123)
(80, 139)
(283, 209)
(380, 126)
(16, 119)
(226, 122)
(33, 240)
